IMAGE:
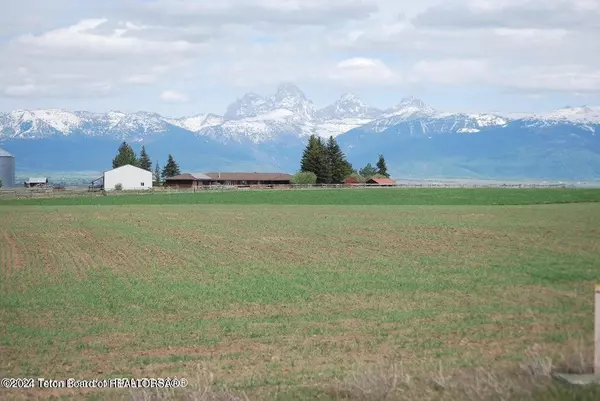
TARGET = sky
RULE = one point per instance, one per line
(185, 57)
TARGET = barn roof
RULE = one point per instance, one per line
(36, 180)
(200, 176)
(231, 177)
(126, 165)
(190, 177)
(250, 176)
(4, 153)
(381, 181)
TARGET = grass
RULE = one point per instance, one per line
(370, 196)
(283, 301)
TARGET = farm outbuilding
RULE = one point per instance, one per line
(250, 178)
(191, 180)
(128, 176)
(382, 181)
(33, 182)
(7, 168)
(188, 180)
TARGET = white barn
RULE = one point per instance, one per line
(130, 178)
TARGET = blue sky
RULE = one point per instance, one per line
(184, 57)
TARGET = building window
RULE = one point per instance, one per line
(142, 184)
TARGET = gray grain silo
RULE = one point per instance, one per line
(7, 169)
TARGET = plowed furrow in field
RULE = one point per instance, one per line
(5, 265)
(15, 261)
(80, 252)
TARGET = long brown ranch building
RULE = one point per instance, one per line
(190, 180)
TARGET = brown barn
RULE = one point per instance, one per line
(241, 179)
(382, 181)
(351, 181)
(188, 180)
(250, 178)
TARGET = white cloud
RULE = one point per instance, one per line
(84, 39)
(536, 79)
(556, 78)
(44, 90)
(142, 79)
(92, 49)
(174, 97)
(23, 90)
(451, 71)
(362, 70)
(257, 12)
(93, 57)
(532, 14)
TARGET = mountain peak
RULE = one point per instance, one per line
(582, 108)
(412, 101)
(577, 113)
(350, 100)
(290, 97)
(409, 106)
(287, 89)
(349, 105)
(249, 105)
(349, 97)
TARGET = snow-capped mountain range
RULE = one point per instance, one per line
(270, 131)
(258, 119)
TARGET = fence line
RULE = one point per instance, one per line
(84, 191)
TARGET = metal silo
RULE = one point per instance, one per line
(7, 169)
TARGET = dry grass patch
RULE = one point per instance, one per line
(431, 381)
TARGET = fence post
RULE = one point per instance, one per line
(597, 333)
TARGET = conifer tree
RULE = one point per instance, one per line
(382, 167)
(125, 156)
(156, 175)
(314, 159)
(171, 169)
(144, 161)
(338, 165)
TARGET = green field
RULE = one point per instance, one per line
(345, 196)
(282, 300)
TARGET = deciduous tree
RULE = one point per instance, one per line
(368, 171)
(304, 178)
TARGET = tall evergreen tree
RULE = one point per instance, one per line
(338, 165)
(156, 175)
(171, 169)
(382, 167)
(314, 159)
(125, 156)
(144, 161)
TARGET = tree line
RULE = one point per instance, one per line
(321, 163)
(126, 155)
(326, 163)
